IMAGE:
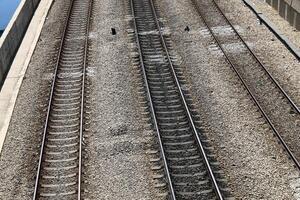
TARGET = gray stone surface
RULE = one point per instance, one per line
(19, 156)
(116, 163)
(118, 166)
(254, 164)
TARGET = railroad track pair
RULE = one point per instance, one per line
(276, 106)
(188, 166)
(180, 141)
(190, 170)
(60, 162)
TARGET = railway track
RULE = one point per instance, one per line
(277, 107)
(59, 168)
(189, 167)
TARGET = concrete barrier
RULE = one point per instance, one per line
(288, 9)
(13, 34)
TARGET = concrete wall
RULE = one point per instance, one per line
(288, 9)
(13, 34)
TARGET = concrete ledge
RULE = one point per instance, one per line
(13, 34)
(272, 27)
(288, 9)
(13, 81)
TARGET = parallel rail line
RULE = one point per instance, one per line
(189, 169)
(282, 114)
(60, 161)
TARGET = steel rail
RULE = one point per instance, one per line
(248, 89)
(35, 194)
(200, 145)
(162, 153)
(207, 164)
(258, 60)
(50, 101)
(82, 99)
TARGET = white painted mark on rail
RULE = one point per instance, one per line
(235, 48)
(69, 75)
(176, 59)
(154, 32)
(214, 49)
(91, 71)
(221, 30)
(156, 58)
(92, 35)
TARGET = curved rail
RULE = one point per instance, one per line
(257, 59)
(286, 147)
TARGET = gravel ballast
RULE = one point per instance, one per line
(117, 142)
(253, 162)
(21, 148)
(115, 164)
(278, 60)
